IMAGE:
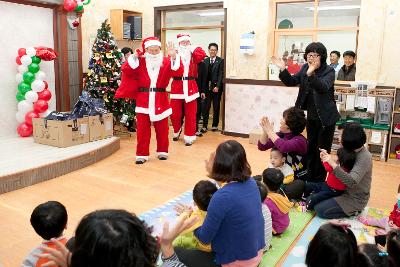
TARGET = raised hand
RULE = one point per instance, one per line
(278, 62)
(171, 50)
(60, 257)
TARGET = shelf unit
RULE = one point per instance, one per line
(394, 138)
(117, 19)
(377, 134)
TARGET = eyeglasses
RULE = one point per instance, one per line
(312, 55)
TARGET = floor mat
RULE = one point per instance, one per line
(298, 221)
(364, 234)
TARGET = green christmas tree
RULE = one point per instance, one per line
(104, 75)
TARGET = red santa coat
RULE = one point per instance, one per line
(395, 215)
(155, 104)
(187, 89)
(128, 87)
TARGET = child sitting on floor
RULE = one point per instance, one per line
(266, 214)
(387, 223)
(202, 194)
(278, 161)
(278, 204)
(332, 187)
(49, 221)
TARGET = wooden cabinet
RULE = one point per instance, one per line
(118, 21)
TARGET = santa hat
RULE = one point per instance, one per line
(183, 37)
(150, 41)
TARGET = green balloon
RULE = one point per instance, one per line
(23, 88)
(36, 60)
(79, 8)
(86, 2)
(33, 68)
(20, 97)
(28, 77)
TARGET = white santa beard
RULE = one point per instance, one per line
(154, 61)
(185, 53)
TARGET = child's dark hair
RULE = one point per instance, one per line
(347, 158)
(263, 190)
(370, 256)
(273, 179)
(332, 246)
(49, 219)
(126, 50)
(202, 194)
(276, 149)
(393, 246)
(258, 178)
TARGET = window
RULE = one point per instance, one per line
(298, 23)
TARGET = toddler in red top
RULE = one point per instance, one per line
(332, 187)
(385, 224)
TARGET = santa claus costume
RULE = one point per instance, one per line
(150, 75)
(184, 91)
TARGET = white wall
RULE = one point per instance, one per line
(22, 26)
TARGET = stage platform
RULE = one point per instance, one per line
(23, 162)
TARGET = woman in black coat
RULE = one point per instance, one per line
(316, 95)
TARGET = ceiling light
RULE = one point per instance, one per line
(324, 8)
(210, 14)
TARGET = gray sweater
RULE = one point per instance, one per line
(358, 183)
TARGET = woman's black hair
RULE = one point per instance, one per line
(319, 48)
(347, 158)
(349, 53)
(332, 246)
(115, 238)
(263, 190)
(370, 256)
(273, 179)
(202, 194)
(393, 246)
(295, 119)
(230, 163)
(353, 136)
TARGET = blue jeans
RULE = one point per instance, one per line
(318, 192)
(329, 209)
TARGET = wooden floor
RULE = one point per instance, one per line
(117, 182)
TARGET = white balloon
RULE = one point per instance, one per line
(26, 60)
(38, 86)
(31, 96)
(40, 75)
(20, 116)
(46, 113)
(19, 78)
(25, 106)
(22, 69)
(30, 51)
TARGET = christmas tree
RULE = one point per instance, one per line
(104, 75)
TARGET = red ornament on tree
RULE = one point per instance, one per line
(44, 95)
(24, 130)
(40, 106)
(29, 116)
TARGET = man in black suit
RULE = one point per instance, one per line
(201, 81)
(215, 74)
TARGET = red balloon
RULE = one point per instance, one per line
(18, 60)
(40, 106)
(46, 85)
(21, 52)
(29, 116)
(25, 130)
(45, 95)
(70, 5)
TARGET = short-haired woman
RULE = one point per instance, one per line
(316, 95)
(234, 224)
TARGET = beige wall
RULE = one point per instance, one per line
(378, 42)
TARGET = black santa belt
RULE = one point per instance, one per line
(183, 78)
(151, 89)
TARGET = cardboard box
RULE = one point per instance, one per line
(61, 133)
(100, 127)
(255, 135)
